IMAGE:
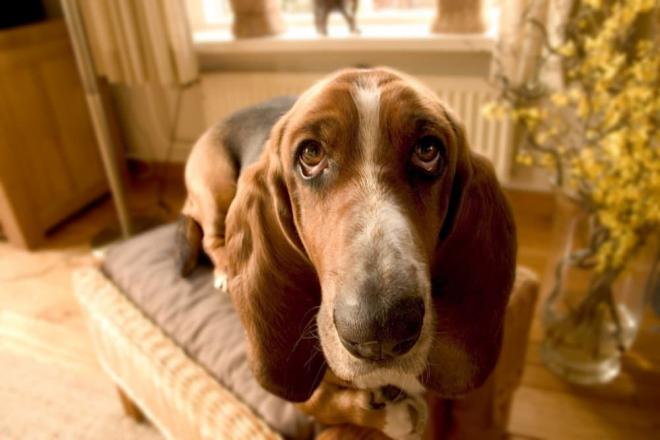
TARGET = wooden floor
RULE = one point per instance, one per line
(39, 315)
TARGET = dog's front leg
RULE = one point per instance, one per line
(395, 414)
(214, 246)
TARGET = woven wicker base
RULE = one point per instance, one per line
(176, 394)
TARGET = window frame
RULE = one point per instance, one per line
(415, 34)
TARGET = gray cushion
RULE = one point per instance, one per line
(198, 318)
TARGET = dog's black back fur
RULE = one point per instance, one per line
(245, 132)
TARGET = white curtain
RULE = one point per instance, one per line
(140, 41)
(521, 43)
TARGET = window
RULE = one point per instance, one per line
(211, 19)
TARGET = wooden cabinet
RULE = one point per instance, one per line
(50, 166)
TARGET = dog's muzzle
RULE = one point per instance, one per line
(377, 325)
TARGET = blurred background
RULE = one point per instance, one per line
(101, 102)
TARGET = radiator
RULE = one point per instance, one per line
(225, 93)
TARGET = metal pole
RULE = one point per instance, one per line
(97, 111)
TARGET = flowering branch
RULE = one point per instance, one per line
(598, 134)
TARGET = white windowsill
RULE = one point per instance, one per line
(391, 38)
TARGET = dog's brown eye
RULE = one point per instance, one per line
(428, 154)
(312, 159)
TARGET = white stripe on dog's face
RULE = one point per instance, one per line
(384, 243)
(366, 96)
(381, 216)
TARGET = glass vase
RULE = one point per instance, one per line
(590, 318)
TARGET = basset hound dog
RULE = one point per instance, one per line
(369, 253)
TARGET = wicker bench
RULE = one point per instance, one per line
(186, 396)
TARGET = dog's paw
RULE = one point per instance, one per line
(405, 415)
(379, 398)
(220, 281)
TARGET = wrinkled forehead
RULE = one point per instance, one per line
(354, 98)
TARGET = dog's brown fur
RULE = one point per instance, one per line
(284, 239)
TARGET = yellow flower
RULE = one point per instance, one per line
(493, 110)
(583, 106)
(594, 4)
(567, 50)
(559, 99)
(541, 137)
(574, 94)
(524, 158)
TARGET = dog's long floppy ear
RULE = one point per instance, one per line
(472, 275)
(272, 283)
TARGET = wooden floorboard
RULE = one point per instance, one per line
(39, 315)
(49, 342)
(560, 415)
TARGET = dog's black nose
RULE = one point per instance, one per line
(378, 328)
